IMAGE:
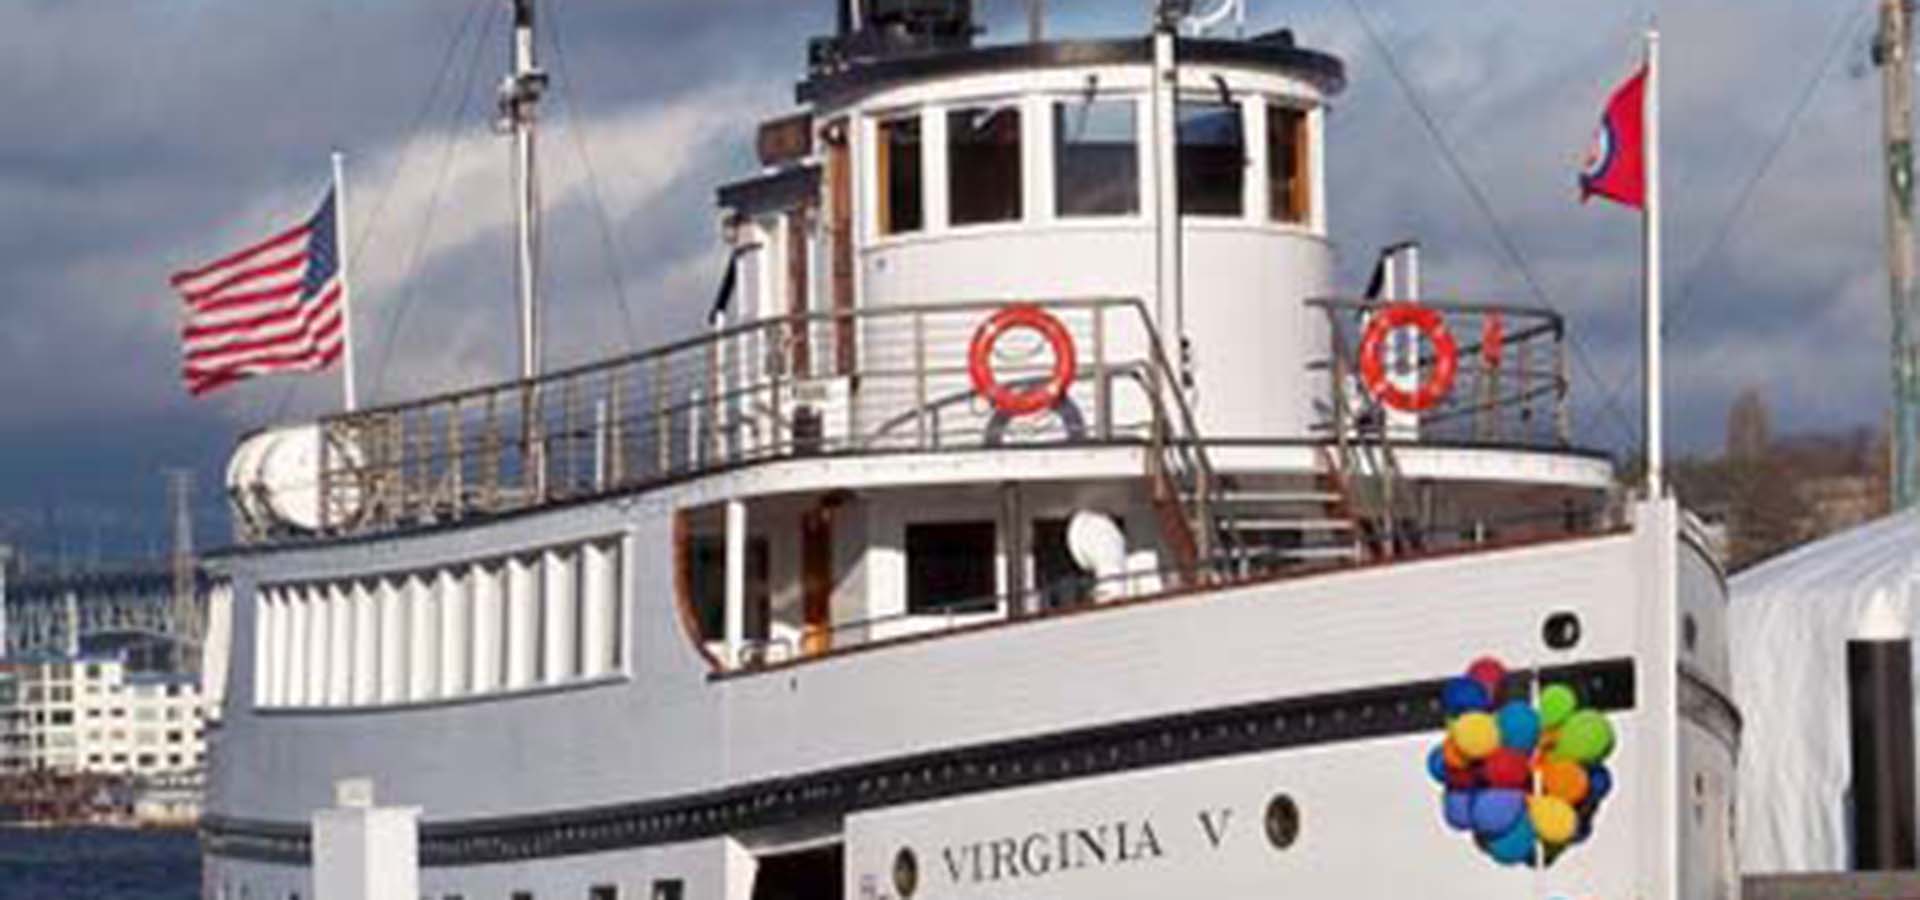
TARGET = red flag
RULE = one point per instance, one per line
(1617, 165)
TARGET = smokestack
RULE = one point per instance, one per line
(1880, 719)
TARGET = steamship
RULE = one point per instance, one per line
(1038, 521)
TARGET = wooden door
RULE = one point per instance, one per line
(816, 580)
(798, 251)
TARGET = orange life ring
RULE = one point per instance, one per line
(1373, 368)
(1022, 401)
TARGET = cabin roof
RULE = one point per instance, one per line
(1275, 53)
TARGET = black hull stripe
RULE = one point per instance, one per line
(1391, 711)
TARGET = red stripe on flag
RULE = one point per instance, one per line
(266, 362)
(279, 240)
(311, 315)
(241, 278)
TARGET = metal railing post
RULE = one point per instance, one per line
(1102, 385)
(1563, 418)
(920, 380)
(456, 461)
(663, 428)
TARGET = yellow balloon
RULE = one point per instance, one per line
(1476, 735)
(1553, 819)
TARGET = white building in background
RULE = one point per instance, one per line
(91, 715)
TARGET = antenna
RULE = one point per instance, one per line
(519, 100)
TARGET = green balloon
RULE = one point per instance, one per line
(1557, 702)
(1587, 738)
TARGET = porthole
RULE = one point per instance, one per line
(1283, 822)
(906, 872)
(1689, 632)
(1562, 631)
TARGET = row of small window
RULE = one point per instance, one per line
(1096, 163)
(140, 714)
(60, 672)
(104, 760)
(141, 737)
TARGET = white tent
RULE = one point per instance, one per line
(1789, 624)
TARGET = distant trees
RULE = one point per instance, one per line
(1772, 494)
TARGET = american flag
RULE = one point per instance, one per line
(273, 307)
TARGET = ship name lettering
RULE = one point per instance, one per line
(1216, 829)
(1042, 853)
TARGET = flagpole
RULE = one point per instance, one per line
(348, 381)
(1655, 439)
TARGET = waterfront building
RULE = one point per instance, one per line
(91, 714)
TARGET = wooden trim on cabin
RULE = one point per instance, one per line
(683, 588)
(799, 252)
(840, 201)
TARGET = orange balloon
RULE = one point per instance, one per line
(1565, 779)
(1452, 755)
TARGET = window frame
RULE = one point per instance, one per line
(881, 167)
(993, 565)
(1302, 193)
(946, 171)
(1060, 105)
(1247, 176)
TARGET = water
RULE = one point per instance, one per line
(98, 864)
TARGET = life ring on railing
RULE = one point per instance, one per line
(1373, 367)
(1022, 401)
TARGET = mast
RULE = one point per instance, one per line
(519, 98)
(1892, 52)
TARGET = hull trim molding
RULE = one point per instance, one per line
(1363, 714)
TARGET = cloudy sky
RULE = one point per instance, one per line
(143, 136)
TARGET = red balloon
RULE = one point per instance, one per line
(1508, 768)
(1463, 779)
(1490, 673)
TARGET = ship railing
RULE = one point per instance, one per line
(868, 381)
(1510, 387)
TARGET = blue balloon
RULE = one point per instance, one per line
(1519, 726)
(1514, 846)
(1599, 783)
(1457, 806)
(1463, 695)
(1437, 764)
(1496, 809)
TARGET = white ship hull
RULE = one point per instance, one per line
(1130, 751)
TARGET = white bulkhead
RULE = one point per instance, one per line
(1039, 178)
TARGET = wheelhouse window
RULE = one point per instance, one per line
(1096, 158)
(1289, 177)
(950, 567)
(1213, 159)
(983, 164)
(902, 207)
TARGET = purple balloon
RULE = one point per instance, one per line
(1457, 806)
(1496, 809)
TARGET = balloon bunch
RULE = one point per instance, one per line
(1517, 775)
